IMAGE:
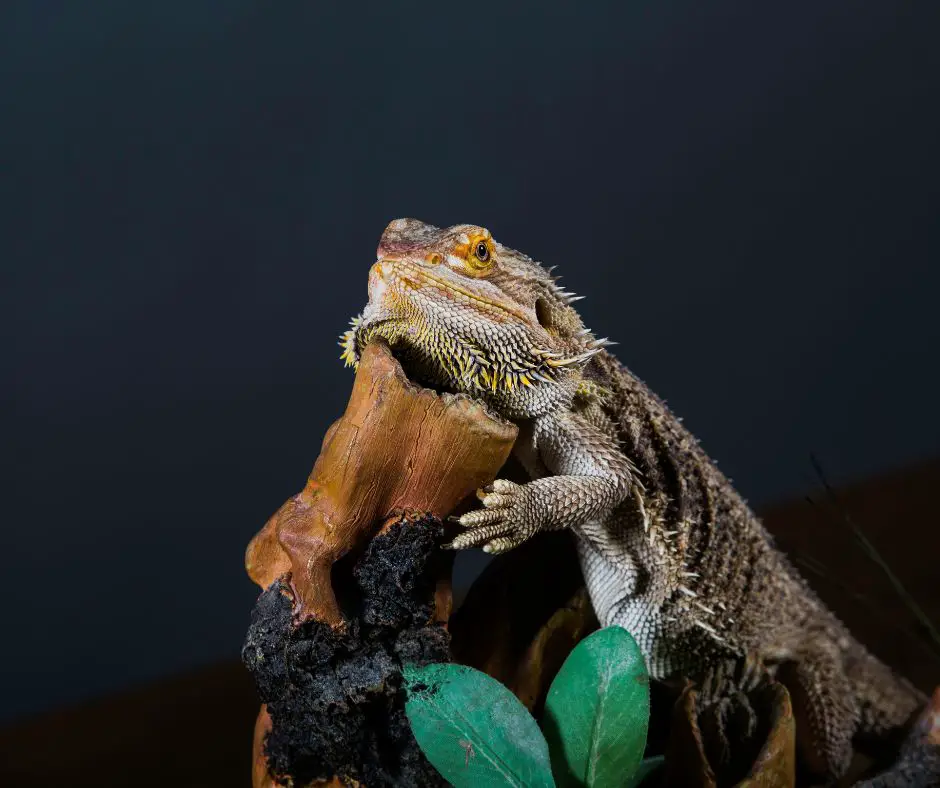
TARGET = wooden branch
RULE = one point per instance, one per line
(398, 448)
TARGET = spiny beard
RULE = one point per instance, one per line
(502, 365)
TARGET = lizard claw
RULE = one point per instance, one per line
(500, 524)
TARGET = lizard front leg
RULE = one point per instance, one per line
(592, 476)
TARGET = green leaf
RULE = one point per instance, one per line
(597, 712)
(473, 729)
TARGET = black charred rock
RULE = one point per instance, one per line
(336, 701)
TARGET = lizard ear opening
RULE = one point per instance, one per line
(543, 313)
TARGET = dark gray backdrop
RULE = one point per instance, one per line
(191, 197)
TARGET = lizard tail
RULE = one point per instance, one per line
(919, 761)
(887, 703)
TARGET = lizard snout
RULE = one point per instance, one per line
(378, 280)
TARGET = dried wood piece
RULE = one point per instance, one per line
(773, 766)
(547, 652)
(398, 448)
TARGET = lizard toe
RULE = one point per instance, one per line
(480, 517)
(503, 486)
(477, 537)
(501, 545)
(496, 501)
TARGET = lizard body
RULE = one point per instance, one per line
(669, 549)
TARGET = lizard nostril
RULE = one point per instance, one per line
(434, 258)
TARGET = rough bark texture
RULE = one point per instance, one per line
(334, 697)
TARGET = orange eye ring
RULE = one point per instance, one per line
(479, 254)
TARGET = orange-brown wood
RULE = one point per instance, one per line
(398, 448)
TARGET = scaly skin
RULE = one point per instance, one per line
(668, 548)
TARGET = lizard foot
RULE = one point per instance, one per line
(507, 519)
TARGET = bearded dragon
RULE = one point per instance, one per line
(669, 550)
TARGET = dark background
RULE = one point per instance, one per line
(192, 192)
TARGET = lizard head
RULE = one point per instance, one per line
(468, 314)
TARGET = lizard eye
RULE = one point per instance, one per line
(482, 252)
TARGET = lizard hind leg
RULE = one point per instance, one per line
(825, 710)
